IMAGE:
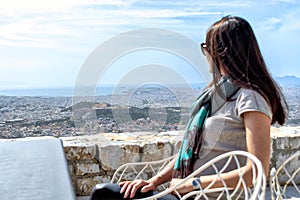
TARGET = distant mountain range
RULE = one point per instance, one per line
(288, 81)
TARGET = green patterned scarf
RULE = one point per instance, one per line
(193, 137)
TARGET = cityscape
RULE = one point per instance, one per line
(148, 109)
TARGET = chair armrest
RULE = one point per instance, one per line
(257, 192)
(140, 170)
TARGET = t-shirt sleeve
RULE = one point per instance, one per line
(250, 100)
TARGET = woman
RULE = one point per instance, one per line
(244, 116)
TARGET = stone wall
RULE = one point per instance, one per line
(285, 143)
(93, 159)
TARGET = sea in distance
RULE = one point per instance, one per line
(285, 82)
(52, 92)
(69, 91)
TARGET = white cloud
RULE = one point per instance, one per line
(165, 13)
(43, 23)
(280, 41)
(13, 7)
(216, 4)
(291, 22)
(283, 25)
(284, 1)
(33, 32)
(16, 7)
(271, 24)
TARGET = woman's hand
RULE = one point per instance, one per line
(129, 188)
(184, 188)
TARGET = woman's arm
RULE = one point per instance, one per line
(258, 130)
(165, 175)
(257, 127)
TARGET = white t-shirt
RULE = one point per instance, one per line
(225, 131)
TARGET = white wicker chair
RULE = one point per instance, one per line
(133, 171)
(284, 181)
(141, 170)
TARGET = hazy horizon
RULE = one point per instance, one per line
(68, 91)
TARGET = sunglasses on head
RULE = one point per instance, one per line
(204, 48)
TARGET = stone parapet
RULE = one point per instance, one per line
(285, 143)
(113, 150)
(93, 159)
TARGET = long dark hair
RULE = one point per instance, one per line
(232, 44)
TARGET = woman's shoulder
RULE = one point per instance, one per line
(249, 94)
(251, 100)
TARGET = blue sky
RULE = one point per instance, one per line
(45, 43)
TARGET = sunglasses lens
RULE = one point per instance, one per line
(203, 48)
